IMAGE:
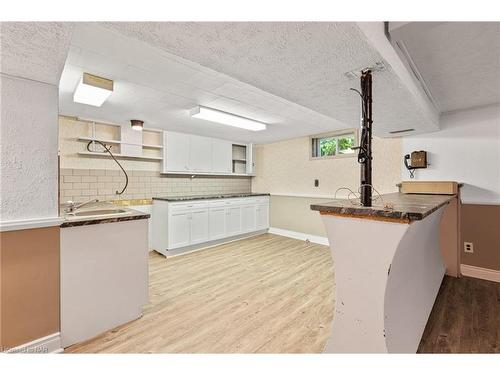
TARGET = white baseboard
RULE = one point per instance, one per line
(47, 344)
(480, 273)
(299, 236)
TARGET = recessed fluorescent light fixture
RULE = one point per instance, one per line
(225, 118)
(93, 90)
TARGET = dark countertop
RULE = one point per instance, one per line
(406, 207)
(128, 214)
(217, 196)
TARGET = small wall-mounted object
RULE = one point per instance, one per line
(417, 160)
(469, 247)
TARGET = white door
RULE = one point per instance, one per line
(175, 152)
(222, 154)
(233, 221)
(179, 230)
(217, 223)
(199, 226)
(200, 154)
(248, 219)
(262, 214)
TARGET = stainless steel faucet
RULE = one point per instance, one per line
(72, 206)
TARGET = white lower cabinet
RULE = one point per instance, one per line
(262, 216)
(199, 226)
(179, 229)
(217, 222)
(248, 218)
(179, 225)
(233, 221)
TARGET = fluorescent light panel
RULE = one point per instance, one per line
(93, 90)
(225, 118)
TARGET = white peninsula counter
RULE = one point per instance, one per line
(388, 270)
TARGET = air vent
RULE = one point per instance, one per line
(379, 66)
(401, 131)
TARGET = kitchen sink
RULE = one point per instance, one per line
(104, 211)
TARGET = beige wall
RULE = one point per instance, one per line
(480, 225)
(83, 177)
(285, 168)
(294, 213)
(29, 285)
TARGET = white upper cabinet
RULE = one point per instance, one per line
(221, 156)
(176, 152)
(188, 153)
(250, 159)
(200, 151)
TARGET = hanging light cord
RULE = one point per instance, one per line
(108, 150)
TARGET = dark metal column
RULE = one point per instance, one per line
(365, 145)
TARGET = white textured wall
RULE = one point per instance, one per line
(28, 149)
(466, 149)
(286, 168)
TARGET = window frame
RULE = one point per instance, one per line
(336, 134)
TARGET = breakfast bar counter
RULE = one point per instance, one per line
(388, 270)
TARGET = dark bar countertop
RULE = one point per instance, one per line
(393, 206)
(200, 197)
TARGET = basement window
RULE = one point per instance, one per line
(335, 144)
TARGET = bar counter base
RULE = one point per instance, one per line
(387, 277)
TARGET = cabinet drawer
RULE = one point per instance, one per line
(187, 206)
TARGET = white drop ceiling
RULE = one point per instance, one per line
(459, 61)
(288, 75)
(161, 89)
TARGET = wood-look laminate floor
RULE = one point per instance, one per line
(465, 318)
(265, 294)
(271, 294)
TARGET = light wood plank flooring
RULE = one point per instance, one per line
(265, 294)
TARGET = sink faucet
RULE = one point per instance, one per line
(72, 206)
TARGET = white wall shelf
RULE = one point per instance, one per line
(117, 142)
(105, 154)
(152, 146)
(90, 139)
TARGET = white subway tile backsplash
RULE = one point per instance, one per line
(72, 179)
(79, 184)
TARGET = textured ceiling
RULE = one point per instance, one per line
(459, 61)
(301, 62)
(34, 50)
(161, 89)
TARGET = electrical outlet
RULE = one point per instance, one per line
(316, 183)
(469, 247)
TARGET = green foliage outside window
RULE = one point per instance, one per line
(345, 145)
(333, 145)
(328, 146)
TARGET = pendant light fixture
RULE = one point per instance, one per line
(137, 124)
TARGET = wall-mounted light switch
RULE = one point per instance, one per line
(316, 183)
